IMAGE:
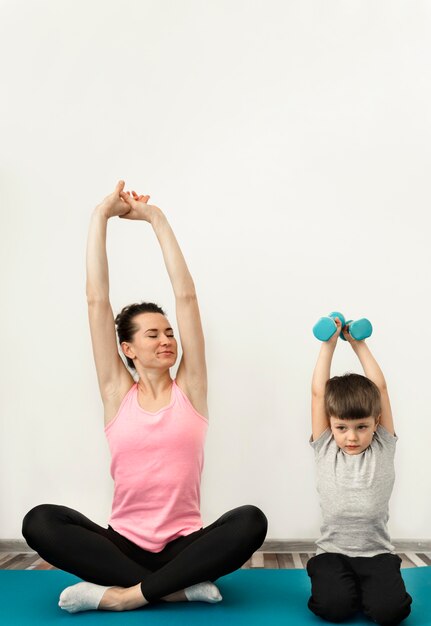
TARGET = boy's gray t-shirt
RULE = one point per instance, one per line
(354, 492)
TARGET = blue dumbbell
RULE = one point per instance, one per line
(358, 329)
(324, 328)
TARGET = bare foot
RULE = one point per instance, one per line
(177, 596)
(122, 599)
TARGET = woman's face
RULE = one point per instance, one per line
(154, 345)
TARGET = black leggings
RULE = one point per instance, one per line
(342, 585)
(70, 541)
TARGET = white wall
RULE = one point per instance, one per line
(289, 144)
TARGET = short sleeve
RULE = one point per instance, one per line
(321, 441)
(386, 436)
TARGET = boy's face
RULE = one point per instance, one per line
(353, 436)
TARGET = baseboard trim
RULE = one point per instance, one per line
(309, 545)
(14, 545)
(270, 545)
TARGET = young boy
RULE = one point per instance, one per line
(355, 567)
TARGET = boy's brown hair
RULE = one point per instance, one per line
(352, 396)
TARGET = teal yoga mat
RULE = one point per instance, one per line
(250, 597)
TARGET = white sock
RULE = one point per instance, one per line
(81, 597)
(203, 592)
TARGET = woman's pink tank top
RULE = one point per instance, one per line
(157, 461)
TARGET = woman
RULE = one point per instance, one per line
(155, 547)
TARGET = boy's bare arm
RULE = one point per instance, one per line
(373, 372)
(321, 374)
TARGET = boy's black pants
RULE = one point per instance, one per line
(342, 585)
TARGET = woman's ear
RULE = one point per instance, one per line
(128, 350)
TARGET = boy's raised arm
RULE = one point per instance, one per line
(321, 374)
(373, 372)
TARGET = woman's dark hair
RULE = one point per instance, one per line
(352, 396)
(126, 327)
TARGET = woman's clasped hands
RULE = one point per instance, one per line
(127, 205)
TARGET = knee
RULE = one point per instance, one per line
(333, 609)
(390, 614)
(35, 522)
(255, 524)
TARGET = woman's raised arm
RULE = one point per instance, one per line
(113, 376)
(191, 375)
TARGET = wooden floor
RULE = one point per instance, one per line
(261, 560)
